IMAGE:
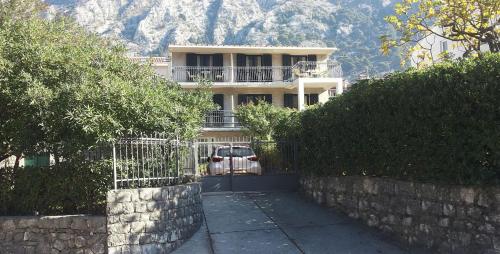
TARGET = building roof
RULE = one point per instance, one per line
(250, 49)
(146, 59)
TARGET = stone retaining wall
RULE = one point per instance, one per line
(53, 234)
(447, 219)
(153, 220)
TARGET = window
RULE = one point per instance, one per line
(292, 100)
(224, 152)
(204, 60)
(254, 98)
(242, 152)
(444, 46)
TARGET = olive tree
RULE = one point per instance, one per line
(63, 89)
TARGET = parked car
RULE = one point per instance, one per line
(244, 161)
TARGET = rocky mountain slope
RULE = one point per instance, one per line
(149, 26)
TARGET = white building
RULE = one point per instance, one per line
(284, 76)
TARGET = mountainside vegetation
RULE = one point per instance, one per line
(148, 26)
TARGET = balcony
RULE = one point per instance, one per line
(217, 119)
(263, 74)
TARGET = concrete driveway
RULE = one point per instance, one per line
(279, 223)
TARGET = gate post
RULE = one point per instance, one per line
(231, 169)
(195, 159)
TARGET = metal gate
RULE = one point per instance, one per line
(247, 165)
(230, 165)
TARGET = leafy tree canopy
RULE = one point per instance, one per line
(261, 119)
(467, 23)
(63, 89)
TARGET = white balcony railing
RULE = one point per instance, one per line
(194, 73)
(221, 119)
(258, 73)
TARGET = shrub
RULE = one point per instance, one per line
(437, 124)
(70, 187)
(260, 119)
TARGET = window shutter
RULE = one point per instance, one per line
(219, 100)
(268, 98)
(241, 98)
(287, 73)
(313, 99)
(267, 60)
(191, 59)
(287, 60)
(241, 60)
(218, 60)
(312, 58)
(288, 100)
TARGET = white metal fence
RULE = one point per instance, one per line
(151, 160)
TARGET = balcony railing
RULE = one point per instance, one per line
(221, 119)
(258, 73)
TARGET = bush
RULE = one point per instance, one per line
(438, 124)
(261, 119)
(70, 187)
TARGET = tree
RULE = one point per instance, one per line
(261, 119)
(63, 90)
(467, 23)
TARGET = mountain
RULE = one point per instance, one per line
(147, 27)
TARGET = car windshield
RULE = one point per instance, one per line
(242, 152)
(223, 152)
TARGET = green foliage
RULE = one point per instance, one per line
(260, 119)
(63, 89)
(466, 23)
(439, 124)
(70, 187)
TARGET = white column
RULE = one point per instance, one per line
(232, 120)
(340, 88)
(231, 69)
(300, 96)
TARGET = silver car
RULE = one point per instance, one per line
(244, 161)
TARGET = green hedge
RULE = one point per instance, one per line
(70, 187)
(439, 124)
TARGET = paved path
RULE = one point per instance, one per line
(279, 223)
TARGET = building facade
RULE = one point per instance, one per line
(291, 77)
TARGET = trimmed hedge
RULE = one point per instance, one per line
(440, 124)
(70, 187)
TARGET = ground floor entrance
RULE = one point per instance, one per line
(279, 222)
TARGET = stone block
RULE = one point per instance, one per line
(448, 210)
(115, 250)
(79, 224)
(119, 228)
(8, 225)
(117, 240)
(407, 221)
(117, 196)
(137, 227)
(370, 186)
(444, 222)
(157, 194)
(146, 194)
(467, 195)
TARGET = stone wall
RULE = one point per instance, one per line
(446, 219)
(53, 234)
(153, 220)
